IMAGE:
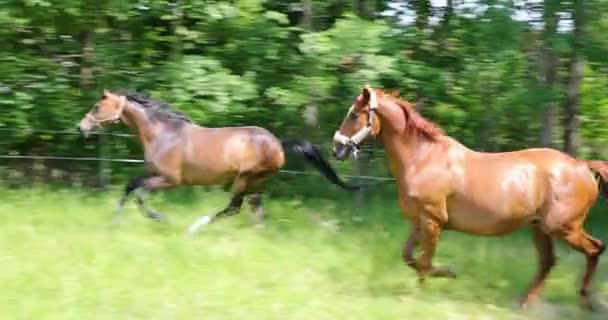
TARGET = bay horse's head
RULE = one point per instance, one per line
(360, 122)
(106, 111)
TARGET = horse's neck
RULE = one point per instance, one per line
(392, 135)
(136, 119)
(402, 154)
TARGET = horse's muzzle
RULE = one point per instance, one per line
(86, 127)
(342, 151)
(84, 131)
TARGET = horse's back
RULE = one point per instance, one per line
(217, 154)
(260, 148)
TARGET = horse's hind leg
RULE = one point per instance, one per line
(546, 255)
(592, 248)
(245, 185)
(254, 198)
(239, 187)
(233, 207)
(255, 203)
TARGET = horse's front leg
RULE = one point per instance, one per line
(431, 220)
(410, 245)
(129, 188)
(150, 184)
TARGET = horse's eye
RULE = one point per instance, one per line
(353, 115)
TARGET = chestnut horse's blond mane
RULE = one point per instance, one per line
(416, 125)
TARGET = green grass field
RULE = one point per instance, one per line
(61, 258)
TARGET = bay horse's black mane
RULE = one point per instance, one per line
(157, 110)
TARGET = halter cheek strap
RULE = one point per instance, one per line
(115, 118)
(356, 139)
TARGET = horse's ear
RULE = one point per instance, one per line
(366, 92)
(106, 93)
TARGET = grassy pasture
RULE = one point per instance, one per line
(61, 258)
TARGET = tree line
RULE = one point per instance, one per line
(495, 74)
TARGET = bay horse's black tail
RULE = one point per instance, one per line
(313, 155)
(600, 167)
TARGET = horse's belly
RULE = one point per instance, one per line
(197, 175)
(502, 202)
(492, 216)
(485, 223)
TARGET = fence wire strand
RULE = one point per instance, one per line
(375, 178)
(35, 157)
(98, 133)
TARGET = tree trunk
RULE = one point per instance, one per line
(311, 111)
(423, 11)
(176, 23)
(306, 19)
(86, 63)
(550, 112)
(447, 15)
(571, 139)
(549, 72)
(362, 8)
(90, 22)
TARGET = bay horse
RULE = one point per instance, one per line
(443, 184)
(180, 152)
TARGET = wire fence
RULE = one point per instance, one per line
(66, 132)
(123, 160)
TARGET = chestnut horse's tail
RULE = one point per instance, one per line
(313, 155)
(600, 167)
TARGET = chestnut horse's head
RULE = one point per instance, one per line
(360, 122)
(106, 111)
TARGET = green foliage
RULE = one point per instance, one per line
(594, 109)
(253, 62)
(203, 88)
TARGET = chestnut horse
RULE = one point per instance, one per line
(179, 152)
(442, 184)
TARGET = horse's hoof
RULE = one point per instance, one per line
(525, 303)
(258, 222)
(195, 227)
(587, 304)
(443, 272)
(157, 216)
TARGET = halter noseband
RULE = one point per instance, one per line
(115, 118)
(356, 139)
